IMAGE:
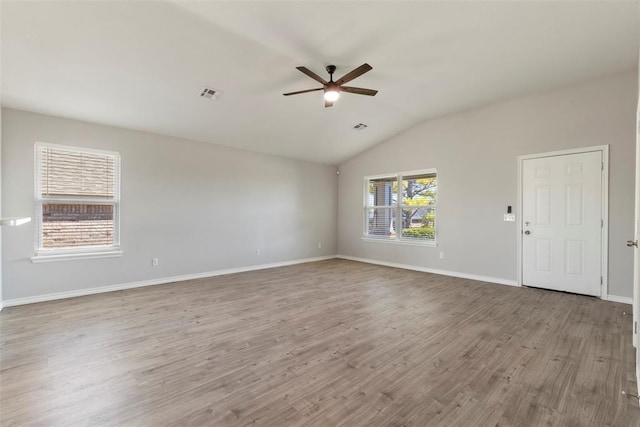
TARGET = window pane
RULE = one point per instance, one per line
(383, 192)
(419, 223)
(76, 174)
(381, 222)
(76, 225)
(419, 190)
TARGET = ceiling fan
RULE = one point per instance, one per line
(332, 89)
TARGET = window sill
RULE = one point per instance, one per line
(75, 256)
(430, 243)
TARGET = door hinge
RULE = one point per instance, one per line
(635, 327)
(601, 223)
(601, 166)
(601, 280)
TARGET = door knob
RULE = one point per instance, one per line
(527, 232)
(632, 243)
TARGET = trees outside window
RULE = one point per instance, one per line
(401, 206)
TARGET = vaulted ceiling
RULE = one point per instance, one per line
(141, 65)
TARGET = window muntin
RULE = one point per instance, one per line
(77, 199)
(413, 219)
(382, 202)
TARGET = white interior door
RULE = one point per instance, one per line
(562, 222)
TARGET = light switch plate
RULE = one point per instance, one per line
(510, 217)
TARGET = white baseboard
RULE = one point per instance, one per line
(433, 270)
(152, 282)
(164, 280)
(612, 298)
(623, 300)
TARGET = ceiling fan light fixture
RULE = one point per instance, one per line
(331, 95)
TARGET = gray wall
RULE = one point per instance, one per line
(200, 207)
(476, 152)
(1, 298)
(197, 207)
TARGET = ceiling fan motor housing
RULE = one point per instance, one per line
(331, 86)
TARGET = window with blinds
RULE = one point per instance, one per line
(77, 199)
(401, 207)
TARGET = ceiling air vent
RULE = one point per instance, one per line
(209, 93)
(360, 126)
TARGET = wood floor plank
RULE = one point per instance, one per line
(327, 343)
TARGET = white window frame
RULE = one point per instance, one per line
(398, 239)
(87, 252)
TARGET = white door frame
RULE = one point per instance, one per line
(636, 251)
(604, 149)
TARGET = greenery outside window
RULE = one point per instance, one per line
(401, 207)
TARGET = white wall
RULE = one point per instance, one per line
(1, 298)
(197, 207)
(476, 152)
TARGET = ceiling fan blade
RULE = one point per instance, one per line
(328, 104)
(303, 91)
(358, 90)
(313, 75)
(353, 74)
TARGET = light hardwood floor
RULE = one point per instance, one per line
(320, 344)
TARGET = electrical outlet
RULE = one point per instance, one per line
(441, 255)
(257, 251)
(319, 245)
(154, 262)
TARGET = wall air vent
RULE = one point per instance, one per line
(209, 93)
(360, 126)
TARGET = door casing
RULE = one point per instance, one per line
(604, 149)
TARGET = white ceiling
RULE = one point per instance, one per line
(141, 65)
